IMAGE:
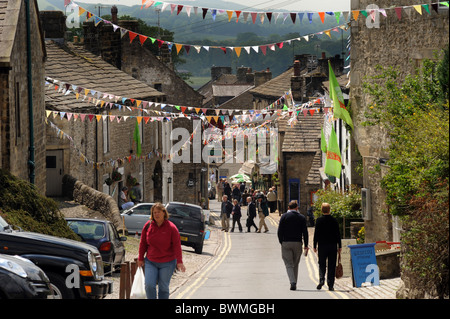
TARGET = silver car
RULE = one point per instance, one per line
(136, 217)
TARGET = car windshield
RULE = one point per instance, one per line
(3, 224)
(185, 211)
(88, 229)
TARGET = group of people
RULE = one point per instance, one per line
(292, 232)
(257, 206)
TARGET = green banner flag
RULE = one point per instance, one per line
(137, 139)
(339, 109)
(333, 164)
(323, 141)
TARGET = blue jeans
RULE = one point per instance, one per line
(158, 274)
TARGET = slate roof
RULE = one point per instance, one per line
(304, 136)
(275, 87)
(74, 65)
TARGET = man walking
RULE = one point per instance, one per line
(328, 238)
(263, 211)
(291, 229)
(225, 213)
(251, 214)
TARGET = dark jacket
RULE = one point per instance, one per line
(327, 231)
(292, 227)
(237, 211)
(251, 210)
(227, 208)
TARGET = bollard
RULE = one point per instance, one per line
(127, 281)
(123, 274)
(133, 271)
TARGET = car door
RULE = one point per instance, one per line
(136, 217)
(119, 247)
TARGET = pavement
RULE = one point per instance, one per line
(195, 263)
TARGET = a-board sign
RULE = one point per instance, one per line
(345, 256)
(364, 265)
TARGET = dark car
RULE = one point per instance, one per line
(103, 235)
(75, 269)
(21, 279)
(190, 221)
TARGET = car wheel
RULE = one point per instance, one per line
(58, 284)
(198, 248)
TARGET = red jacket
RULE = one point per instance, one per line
(160, 244)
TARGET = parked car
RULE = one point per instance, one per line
(190, 221)
(136, 217)
(211, 190)
(21, 279)
(75, 269)
(103, 235)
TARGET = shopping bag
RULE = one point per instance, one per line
(138, 287)
(208, 233)
(339, 269)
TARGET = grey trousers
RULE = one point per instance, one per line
(291, 251)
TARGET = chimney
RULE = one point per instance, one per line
(114, 12)
(262, 77)
(297, 83)
(54, 25)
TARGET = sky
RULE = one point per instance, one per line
(262, 5)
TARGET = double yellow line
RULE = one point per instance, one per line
(203, 276)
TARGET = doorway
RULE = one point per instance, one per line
(54, 172)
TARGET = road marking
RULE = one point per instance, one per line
(191, 289)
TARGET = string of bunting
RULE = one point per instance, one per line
(274, 15)
(187, 47)
(226, 116)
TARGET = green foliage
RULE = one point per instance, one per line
(415, 114)
(346, 204)
(21, 205)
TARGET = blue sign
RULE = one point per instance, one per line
(364, 265)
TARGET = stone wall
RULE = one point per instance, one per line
(403, 44)
(94, 200)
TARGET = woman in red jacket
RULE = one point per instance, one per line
(160, 252)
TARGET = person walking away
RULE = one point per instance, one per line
(159, 252)
(263, 211)
(328, 239)
(251, 214)
(225, 213)
(272, 200)
(236, 212)
(135, 193)
(291, 230)
(227, 189)
(236, 193)
(124, 203)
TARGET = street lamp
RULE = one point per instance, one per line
(169, 180)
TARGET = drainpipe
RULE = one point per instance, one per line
(31, 163)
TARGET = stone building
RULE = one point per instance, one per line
(388, 41)
(22, 110)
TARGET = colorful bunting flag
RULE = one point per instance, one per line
(333, 164)
(339, 109)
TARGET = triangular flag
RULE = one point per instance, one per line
(142, 39)
(263, 49)
(179, 8)
(178, 47)
(293, 16)
(230, 15)
(238, 13)
(418, 8)
(132, 35)
(398, 11)
(322, 16)
(355, 14)
(238, 51)
(254, 15)
(310, 15)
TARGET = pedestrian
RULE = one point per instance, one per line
(236, 212)
(292, 228)
(328, 239)
(225, 213)
(272, 200)
(159, 252)
(251, 214)
(227, 189)
(124, 203)
(263, 211)
(236, 193)
(220, 190)
(135, 193)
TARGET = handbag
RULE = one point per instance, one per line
(138, 287)
(339, 269)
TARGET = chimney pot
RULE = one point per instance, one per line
(114, 12)
(296, 68)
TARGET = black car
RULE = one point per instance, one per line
(21, 279)
(103, 235)
(190, 221)
(75, 269)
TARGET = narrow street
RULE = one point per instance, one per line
(249, 266)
